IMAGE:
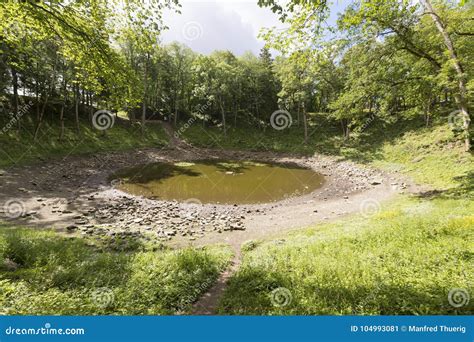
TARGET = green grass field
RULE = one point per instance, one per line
(402, 261)
(45, 273)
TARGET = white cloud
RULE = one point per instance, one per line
(206, 26)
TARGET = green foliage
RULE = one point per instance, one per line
(17, 149)
(404, 260)
(44, 273)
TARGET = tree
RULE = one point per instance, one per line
(461, 95)
(411, 32)
(297, 84)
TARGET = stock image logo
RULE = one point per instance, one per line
(103, 120)
(192, 30)
(281, 119)
(117, 182)
(457, 119)
(14, 209)
(281, 297)
(103, 297)
(369, 207)
(458, 298)
(193, 202)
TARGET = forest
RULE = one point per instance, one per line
(385, 60)
(328, 172)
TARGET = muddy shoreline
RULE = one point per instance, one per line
(73, 194)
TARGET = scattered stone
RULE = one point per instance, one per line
(10, 265)
(72, 228)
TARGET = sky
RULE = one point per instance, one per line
(232, 25)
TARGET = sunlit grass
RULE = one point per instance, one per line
(44, 273)
(404, 260)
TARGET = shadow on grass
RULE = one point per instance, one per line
(464, 190)
(49, 274)
(65, 262)
(259, 292)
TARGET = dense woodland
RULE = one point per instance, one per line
(379, 103)
(386, 60)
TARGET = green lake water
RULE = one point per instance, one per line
(223, 182)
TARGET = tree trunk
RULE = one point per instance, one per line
(41, 117)
(298, 113)
(91, 107)
(61, 114)
(235, 114)
(61, 122)
(305, 123)
(461, 96)
(37, 91)
(345, 129)
(145, 89)
(428, 113)
(48, 92)
(257, 111)
(175, 112)
(15, 97)
(223, 117)
(76, 108)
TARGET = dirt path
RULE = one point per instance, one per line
(208, 303)
(174, 140)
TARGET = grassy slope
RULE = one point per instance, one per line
(15, 149)
(59, 275)
(404, 260)
(430, 155)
